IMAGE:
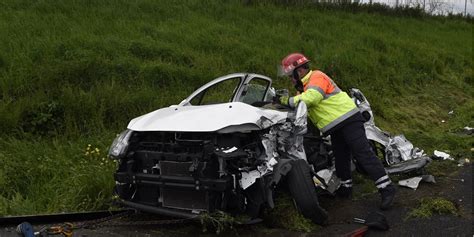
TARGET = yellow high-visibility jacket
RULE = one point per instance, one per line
(327, 104)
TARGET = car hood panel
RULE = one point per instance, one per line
(207, 118)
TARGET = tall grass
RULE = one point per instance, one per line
(54, 176)
(72, 71)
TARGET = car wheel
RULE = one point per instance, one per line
(303, 192)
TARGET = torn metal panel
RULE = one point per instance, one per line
(290, 134)
(249, 178)
(328, 180)
(414, 182)
(269, 142)
(408, 166)
(376, 134)
(400, 149)
(283, 139)
(411, 182)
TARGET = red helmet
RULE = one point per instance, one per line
(292, 61)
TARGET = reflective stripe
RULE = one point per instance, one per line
(383, 178)
(346, 181)
(291, 102)
(325, 96)
(383, 181)
(340, 119)
(334, 92)
(384, 184)
(327, 104)
(318, 89)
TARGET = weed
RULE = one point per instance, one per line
(218, 221)
(285, 215)
(430, 206)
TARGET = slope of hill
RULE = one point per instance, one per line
(73, 73)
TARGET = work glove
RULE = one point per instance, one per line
(283, 100)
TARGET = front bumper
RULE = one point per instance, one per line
(184, 182)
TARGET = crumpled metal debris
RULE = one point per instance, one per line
(290, 134)
(408, 166)
(400, 149)
(442, 155)
(400, 154)
(285, 138)
(415, 181)
(327, 180)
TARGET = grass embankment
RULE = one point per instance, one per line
(74, 73)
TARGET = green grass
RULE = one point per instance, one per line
(431, 206)
(285, 215)
(75, 72)
(54, 176)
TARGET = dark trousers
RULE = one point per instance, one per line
(349, 141)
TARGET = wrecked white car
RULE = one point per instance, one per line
(225, 147)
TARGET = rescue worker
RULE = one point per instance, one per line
(334, 113)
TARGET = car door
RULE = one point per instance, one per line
(256, 88)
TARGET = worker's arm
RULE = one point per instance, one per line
(311, 97)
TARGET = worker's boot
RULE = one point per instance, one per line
(345, 190)
(387, 194)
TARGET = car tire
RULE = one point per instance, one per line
(303, 192)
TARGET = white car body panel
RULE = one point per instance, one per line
(207, 118)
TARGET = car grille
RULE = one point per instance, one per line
(181, 198)
(184, 199)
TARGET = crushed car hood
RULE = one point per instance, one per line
(228, 117)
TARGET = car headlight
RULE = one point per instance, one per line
(120, 145)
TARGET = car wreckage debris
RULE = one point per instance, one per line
(180, 161)
(442, 155)
(415, 181)
(399, 154)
